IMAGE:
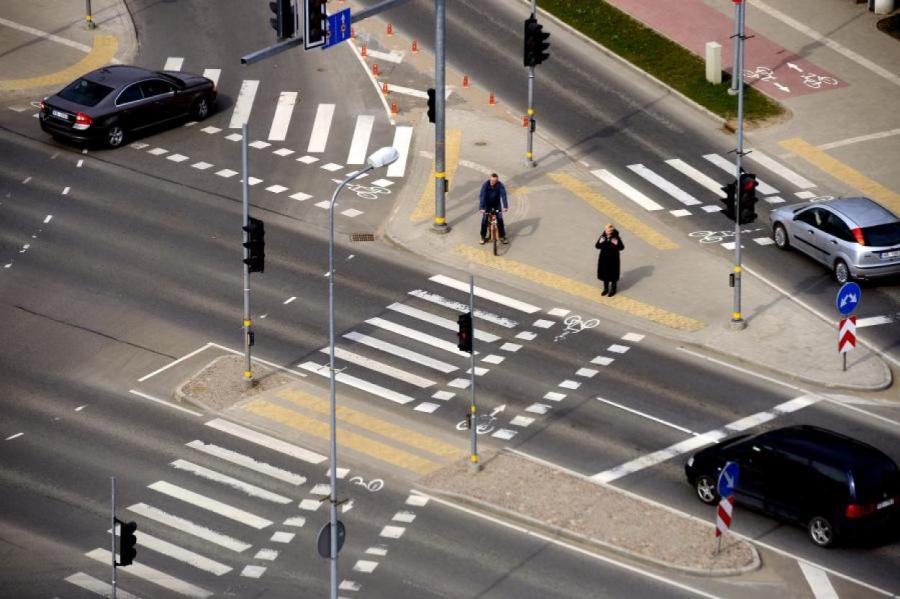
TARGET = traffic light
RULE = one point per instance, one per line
(748, 198)
(314, 23)
(283, 22)
(431, 111)
(536, 44)
(465, 332)
(256, 245)
(729, 199)
(127, 542)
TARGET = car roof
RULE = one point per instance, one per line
(862, 211)
(826, 446)
(119, 74)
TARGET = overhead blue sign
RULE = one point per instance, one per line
(848, 298)
(338, 28)
(728, 479)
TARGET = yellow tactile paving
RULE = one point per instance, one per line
(622, 218)
(347, 439)
(843, 172)
(370, 423)
(425, 207)
(577, 288)
(103, 51)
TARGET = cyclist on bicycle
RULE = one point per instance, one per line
(493, 198)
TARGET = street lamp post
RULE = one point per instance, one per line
(380, 158)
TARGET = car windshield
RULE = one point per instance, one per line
(875, 481)
(84, 92)
(882, 235)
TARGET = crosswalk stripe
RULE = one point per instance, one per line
(321, 126)
(247, 462)
(401, 352)
(780, 169)
(419, 336)
(486, 294)
(686, 169)
(173, 63)
(818, 581)
(210, 504)
(727, 166)
(461, 307)
(243, 104)
(182, 555)
(439, 321)
(234, 483)
(359, 383)
(188, 527)
(282, 119)
(97, 587)
(361, 135)
(182, 587)
(402, 139)
(213, 75)
(272, 443)
(664, 184)
(406, 377)
(625, 189)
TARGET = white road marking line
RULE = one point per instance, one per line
(26, 180)
(324, 205)
(415, 335)
(210, 130)
(349, 585)
(522, 421)
(298, 521)
(750, 421)
(321, 489)
(872, 321)
(375, 365)
(402, 139)
(586, 372)
(253, 571)
(79, 408)
(66, 190)
(382, 182)
(664, 184)
(858, 139)
(774, 200)
(321, 126)
(392, 532)
(554, 396)
(202, 166)
(290, 299)
(680, 213)
(282, 119)
(504, 434)
(647, 416)
(251, 490)
(619, 349)
(259, 144)
(272, 443)
(360, 142)
(309, 505)
(459, 383)
(625, 189)
(404, 516)
(728, 167)
(48, 218)
(177, 157)
(479, 371)
(380, 551)
(780, 169)
(392, 56)
(209, 504)
(173, 363)
(359, 383)
(818, 581)
(244, 103)
(698, 177)
(80, 163)
(351, 212)
(511, 347)
(15, 436)
(307, 159)
(331, 167)
(282, 537)
(165, 403)
(253, 181)
(805, 195)
(234, 137)
(634, 337)
(157, 151)
(729, 245)
(407, 91)
(300, 196)
(542, 323)
(526, 335)
(493, 359)
(560, 312)
(182, 555)
(97, 587)
(569, 384)
(444, 323)
(538, 408)
(365, 566)
(283, 152)
(226, 173)
(486, 294)
(462, 308)
(268, 555)
(417, 500)
(443, 395)
(173, 63)
(157, 577)
(763, 240)
(401, 352)
(213, 75)
(712, 208)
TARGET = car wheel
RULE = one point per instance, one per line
(821, 531)
(201, 108)
(115, 136)
(841, 272)
(706, 489)
(781, 237)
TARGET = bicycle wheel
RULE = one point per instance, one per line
(494, 239)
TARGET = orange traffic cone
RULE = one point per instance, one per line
(524, 120)
(415, 46)
(465, 81)
(352, 33)
(375, 70)
(492, 100)
(390, 29)
(384, 88)
(394, 110)
(362, 51)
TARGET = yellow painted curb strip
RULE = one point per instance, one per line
(376, 425)
(347, 439)
(843, 172)
(577, 288)
(102, 53)
(620, 217)
(425, 208)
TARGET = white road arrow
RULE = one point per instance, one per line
(794, 67)
(498, 409)
(347, 506)
(783, 88)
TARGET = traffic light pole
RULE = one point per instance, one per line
(440, 175)
(472, 408)
(737, 320)
(112, 480)
(529, 151)
(245, 202)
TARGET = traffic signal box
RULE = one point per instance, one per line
(536, 44)
(465, 332)
(127, 543)
(283, 22)
(748, 199)
(431, 109)
(256, 244)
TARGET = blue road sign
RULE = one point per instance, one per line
(338, 28)
(848, 297)
(728, 479)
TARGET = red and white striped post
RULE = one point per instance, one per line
(723, 519)
(846, 337)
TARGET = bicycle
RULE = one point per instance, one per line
(493, 228)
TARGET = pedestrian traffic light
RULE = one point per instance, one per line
(536, 44)
(127, 542)
(729, 199)
(465, 332)
(283, 22)
(748, 198)
(432, 114)
(256, 245)
(314, 23)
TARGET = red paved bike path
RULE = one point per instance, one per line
(692, 23)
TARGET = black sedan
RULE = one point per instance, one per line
(113, 102)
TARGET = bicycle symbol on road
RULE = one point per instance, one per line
(718, 236)
(484, 423)
(817, 81)
(574, 324)
(368, 193)
(761, 73)
(376, 484)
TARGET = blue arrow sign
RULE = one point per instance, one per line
(848, 297)
(728, 479)
(338, 28)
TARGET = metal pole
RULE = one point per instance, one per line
(844, 359)
(737, 320)
(529, 151)
(440, 176)
(735, 73)
(247, 322)
(89, 15)
(112, 480)
(472, 407)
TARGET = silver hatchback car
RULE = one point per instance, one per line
(856, 238)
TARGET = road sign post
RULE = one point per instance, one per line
(846, 302)
(725, 487)
(846, 338)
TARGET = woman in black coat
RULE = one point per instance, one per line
(609, 244)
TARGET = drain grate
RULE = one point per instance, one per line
(362, 237)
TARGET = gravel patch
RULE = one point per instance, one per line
(220, 384)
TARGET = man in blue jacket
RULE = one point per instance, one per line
(493, 197)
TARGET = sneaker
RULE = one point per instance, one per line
(504, 241)
(482, 241)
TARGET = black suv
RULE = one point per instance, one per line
(831, 484)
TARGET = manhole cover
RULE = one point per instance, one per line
(362, 237)
(480, 143)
